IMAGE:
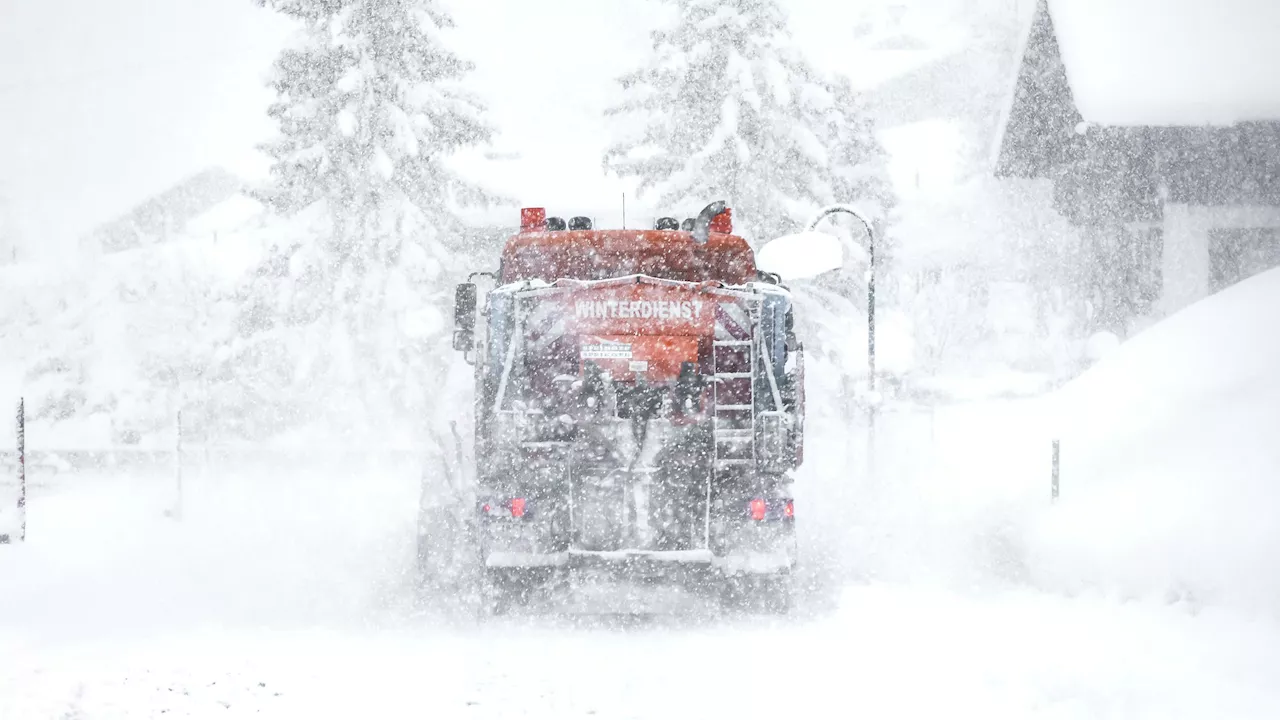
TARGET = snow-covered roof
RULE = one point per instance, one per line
(214, 193)
(227, 216)
(965, 83)
(1171, 62)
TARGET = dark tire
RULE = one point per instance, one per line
(503, 590)
(491, 600)
(446, 550)
(766, 594)
(775, 595)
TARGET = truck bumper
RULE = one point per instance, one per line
(627, 582)
(645, 564)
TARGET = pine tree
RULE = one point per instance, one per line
(369, 106)
(726, 108)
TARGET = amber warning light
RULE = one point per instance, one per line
(723, 223)
(533, 219)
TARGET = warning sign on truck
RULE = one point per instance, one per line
(606, 350)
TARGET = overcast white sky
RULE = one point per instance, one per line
(103, 103)
(106, 102)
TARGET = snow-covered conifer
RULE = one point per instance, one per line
(369, 107)
(726, 107)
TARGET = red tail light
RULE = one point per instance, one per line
(517, 507)
(757, 509)
(485, 508)
(789, 510)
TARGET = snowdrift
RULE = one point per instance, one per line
(1170, 459)
(279, 545)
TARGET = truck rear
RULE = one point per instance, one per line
(639, 399)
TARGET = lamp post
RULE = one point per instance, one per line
(871, 280)
(873, 400)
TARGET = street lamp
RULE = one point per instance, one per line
(871, 280)
(810, 253)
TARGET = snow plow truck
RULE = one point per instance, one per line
(639, 411)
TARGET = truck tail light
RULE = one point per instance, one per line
(515, 507)
(760, 509)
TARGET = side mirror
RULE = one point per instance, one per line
(464, 316)
(801, 255)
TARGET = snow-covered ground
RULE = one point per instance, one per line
(284, 595)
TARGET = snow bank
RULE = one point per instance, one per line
(265, 545)
(1168, 489)
(1170, 459)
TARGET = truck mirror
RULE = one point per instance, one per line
(464, 316)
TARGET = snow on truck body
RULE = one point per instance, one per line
(639, 406)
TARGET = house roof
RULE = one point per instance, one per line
(964, 83)
(168, 212)
(1038, 114)
(1171, 62)
(1083, 101)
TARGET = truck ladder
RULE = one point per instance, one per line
(734, 360)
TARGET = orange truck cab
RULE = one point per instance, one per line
(639, 410)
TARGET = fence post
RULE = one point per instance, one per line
(177, 513)
(22, 468)
(1054, 485)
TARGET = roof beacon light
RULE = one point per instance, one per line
(702, 224)
(533, 219)
(723, 223)
(555, 223)
(579, 222)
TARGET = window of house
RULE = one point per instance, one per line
(1143, 264)
(1239, 253)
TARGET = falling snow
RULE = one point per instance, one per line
(275, 465)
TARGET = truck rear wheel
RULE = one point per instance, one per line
(504, 589)
(767, 594)
(499, 593)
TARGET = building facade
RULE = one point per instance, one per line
(1172, 207)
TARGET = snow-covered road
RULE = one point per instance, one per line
(255, 605)
(889, 652)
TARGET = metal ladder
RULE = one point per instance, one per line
(733, 393)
